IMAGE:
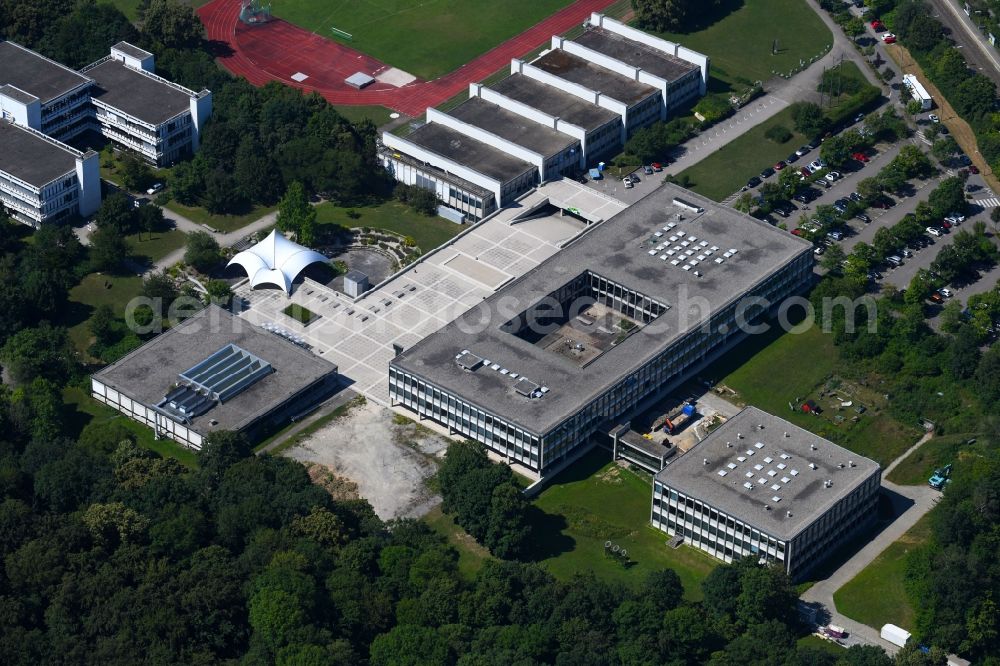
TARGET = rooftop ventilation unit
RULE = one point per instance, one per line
(525, 387)
(812, 465)
(767, 507)
(788, 514)
(688, 205)
(850, 463)
(828, 483)
(704, 461)
(468, 361)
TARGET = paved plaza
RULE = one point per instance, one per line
(359, 336)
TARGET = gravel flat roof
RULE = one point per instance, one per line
(512, 127)
(587, 74)
(619, 251)
(36, 74)
(654, 61)
(775, 461)
(469, 152)
(137, 94)
(554, 102)
(148, 373)
(31, 158)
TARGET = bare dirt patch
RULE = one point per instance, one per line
(386, 457)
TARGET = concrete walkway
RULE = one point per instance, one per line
(910, 504)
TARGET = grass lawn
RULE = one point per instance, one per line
(223, 223)
(774, 368)
(820, 644)
(877, 596)
(594, 501)
(377, 114)
(938, 452)
(427, 232)
(94, 290)
(471, 555)
(156, 245)
(740, 44)
(130, 8)
(426, 39)
(81, 410)
(727, 170)
(299, 313)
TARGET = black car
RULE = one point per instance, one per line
(843, 202)
(854, 196)
(767, 173)
(753, 182)
(864, 218)
(792, 158)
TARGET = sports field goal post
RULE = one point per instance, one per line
(255, 12)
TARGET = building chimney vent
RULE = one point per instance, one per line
(704, 461)
(786, 433)
(767, 507)
(788, 514)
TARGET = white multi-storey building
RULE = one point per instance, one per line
(43, 180)
(759, 486)
(576, 103)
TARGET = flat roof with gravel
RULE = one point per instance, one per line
(476, 155)
(768, 472)
(554, 102)
(512, 127)
(32, 158)
(654, 61)
(35, 74)
(137, 93)
(594, 77)
(645, 248)
(151, 371)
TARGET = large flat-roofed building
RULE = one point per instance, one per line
(759, 486)
(42, 94)
(466, 174)
(552, 152)
(214, 371)
(621, 315)
(638, 104)
(44, 181)
(137, 110)
(597, 128)
(119, 96)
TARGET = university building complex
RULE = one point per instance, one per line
(119, 97)
(575, 104)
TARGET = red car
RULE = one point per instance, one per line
(796, 232)
(877, 26)
(780, 165)
(861, 157)
(656, 166)
(805, 172)
(946, 224)
(889, 38)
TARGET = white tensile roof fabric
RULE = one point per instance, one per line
(275, 260)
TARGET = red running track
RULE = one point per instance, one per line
(277, 50)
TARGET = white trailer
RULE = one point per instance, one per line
(895, 635)
(917, 91)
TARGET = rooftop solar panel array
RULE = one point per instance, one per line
(226, 373)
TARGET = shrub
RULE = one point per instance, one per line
(778, 134)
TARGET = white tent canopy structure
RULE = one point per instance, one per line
(275, 260)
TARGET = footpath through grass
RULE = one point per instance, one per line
(224, 223)
(595, 501)
(727, 170)
(877, 595)
(426, 231)
(740, 44)
(426, 39)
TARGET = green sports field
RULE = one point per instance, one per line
(426, 38)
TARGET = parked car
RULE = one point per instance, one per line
(628, 183)
(955, 218)
(648, 170)
(767, 173)
(973, 168)
(753, 182)
(934, 231)
(803, 150)
(858, 118)
(860, 157)
(946, 292)
(832, 176)
(894, 260)
(156, 187)
(864, 218)
(656, 166)
(816, 165)
(936, 297)
(792, 158)
(797, 232)
(906, 253)
(933, 118)
(877, 26)
(819, 250)
(945, 224)
(889, 38)
(779, 165)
